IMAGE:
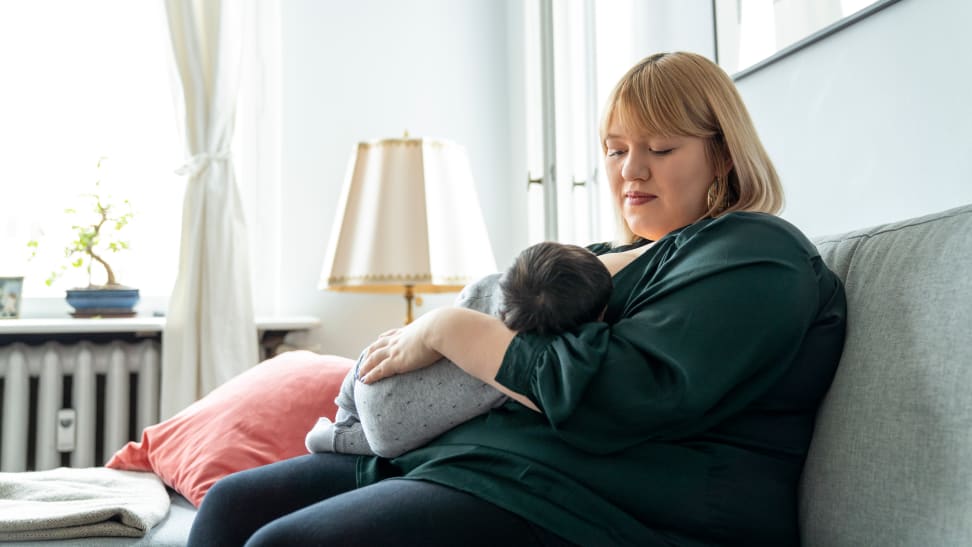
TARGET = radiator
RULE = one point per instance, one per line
(74, 404)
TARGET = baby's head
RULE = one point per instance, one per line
(553, 287)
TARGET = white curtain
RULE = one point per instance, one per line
(210, 332)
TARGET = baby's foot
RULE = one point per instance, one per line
(321, 437)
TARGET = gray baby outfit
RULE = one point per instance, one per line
(402, 412)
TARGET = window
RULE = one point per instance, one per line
(588, 45)
(83, 80)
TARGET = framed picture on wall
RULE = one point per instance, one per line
(10, 291)
(751, 34)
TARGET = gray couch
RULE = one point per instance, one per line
(891, 457)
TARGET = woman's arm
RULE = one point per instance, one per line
(474, 341)
(718, 315)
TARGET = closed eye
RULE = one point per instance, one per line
(614, 152)
(662, 152)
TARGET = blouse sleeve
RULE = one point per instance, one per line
(719, 313)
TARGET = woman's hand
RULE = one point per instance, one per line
(399, 350)
(473, 341)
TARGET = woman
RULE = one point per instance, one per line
(683, 418)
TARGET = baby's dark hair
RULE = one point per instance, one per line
(553, 287)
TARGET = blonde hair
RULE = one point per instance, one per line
(685, 94)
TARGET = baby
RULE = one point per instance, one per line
(550, 288)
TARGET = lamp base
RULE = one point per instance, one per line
(409, 297)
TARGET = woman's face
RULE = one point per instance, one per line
(659, 183)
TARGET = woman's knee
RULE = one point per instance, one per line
(228, 490)
(228, 484)
(270, 535)
(221, 506)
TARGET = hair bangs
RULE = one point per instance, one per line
(649, 103)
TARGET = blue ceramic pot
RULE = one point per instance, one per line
(84, 300)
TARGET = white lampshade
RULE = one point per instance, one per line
(408, 221)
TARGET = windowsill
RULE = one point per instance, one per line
(272, 332)
(56, 307)
(68, 325)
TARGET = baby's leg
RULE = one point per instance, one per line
(344, 435)
(403, 412)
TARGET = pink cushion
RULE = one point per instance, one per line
(259, 417)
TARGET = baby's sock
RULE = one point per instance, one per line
(321, 437)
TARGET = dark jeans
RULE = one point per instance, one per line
(312, 500)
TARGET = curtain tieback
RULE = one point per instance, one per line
(198, 161)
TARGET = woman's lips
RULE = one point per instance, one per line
(638, 198)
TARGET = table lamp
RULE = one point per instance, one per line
(408, 222)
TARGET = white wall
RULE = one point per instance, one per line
(872, 124)
(372, 69)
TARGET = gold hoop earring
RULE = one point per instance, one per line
(715, 195)
(718, 198)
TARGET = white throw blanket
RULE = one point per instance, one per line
(80, 502)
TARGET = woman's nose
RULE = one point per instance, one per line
(634, 168)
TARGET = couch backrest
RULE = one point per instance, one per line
(891, 457)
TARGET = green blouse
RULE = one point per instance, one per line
(684, 416)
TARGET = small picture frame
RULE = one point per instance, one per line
(10, 291)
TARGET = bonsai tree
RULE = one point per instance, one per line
(95, 233)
